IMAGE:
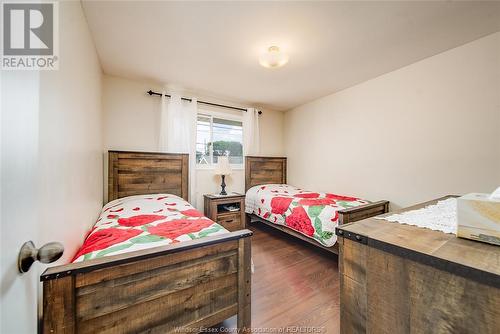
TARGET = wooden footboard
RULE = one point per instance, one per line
(363, 212)
(345, 216)
(177, 288)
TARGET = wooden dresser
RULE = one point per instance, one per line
(215, 209)
(399, 278)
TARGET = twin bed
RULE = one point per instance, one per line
(310, 216)
(153, 263)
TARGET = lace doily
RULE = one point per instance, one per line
(441, 216)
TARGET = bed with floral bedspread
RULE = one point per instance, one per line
(312, 214)
(144, 221)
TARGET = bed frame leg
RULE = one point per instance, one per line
(59, 306)
(244, 285)
(248, 220)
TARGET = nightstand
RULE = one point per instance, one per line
(219, 209)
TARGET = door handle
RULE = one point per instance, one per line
(28, 254)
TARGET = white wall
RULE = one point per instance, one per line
(425, 130)
(71, 135)
(131, 123)
(51, 163)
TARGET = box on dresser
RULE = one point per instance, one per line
(478, 217)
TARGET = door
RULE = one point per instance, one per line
(18, 210)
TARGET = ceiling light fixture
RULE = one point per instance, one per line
(273, 58)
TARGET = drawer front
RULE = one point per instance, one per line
(231, 222)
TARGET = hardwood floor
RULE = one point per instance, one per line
(295, 285)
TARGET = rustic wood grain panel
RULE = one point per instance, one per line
(472, 254)
(138, 173)
(354, 259)
(340, 244)
(262, 173)
(268, 179)
(164, 180)
(112, 175)
(125, 168)
(363, 211)
(387, 293)
(231, 222)
(264, 170)
(148, 163)
(59, 306)
(353, 304)
(172, 191)
(268, 165)
(167, 312)
(244, 284)
(122, 270)
(215, 318)
(421, 239)
(453, 305)
(352, 307)
(147, 178)
(146, 155)
(151, 188)
(94, 301)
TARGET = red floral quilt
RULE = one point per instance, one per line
(313, 214)
(145, 221)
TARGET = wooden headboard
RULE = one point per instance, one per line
(264, 170)
(140, 173)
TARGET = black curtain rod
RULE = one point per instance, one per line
(150, 92)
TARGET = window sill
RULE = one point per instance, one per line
(212, 167)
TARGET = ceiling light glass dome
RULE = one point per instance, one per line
(273, 58)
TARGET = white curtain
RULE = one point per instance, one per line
(163, 139)
(178, 133)
(251, 133)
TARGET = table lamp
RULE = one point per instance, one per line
(223, 168)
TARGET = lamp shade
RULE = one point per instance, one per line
(222, 167)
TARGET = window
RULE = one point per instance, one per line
(217, 136)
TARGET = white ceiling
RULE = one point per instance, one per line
(212, 48)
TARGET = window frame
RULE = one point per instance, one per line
(227, 116)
